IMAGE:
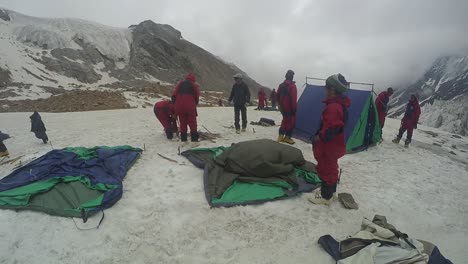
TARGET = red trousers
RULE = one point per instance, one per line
(382, 116)
(287, 125)
(327, 169)
(164, 120)
(187, 119)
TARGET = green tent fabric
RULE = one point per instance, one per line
(360, 131)
(71, 182)
(65, 196)
(253, 172)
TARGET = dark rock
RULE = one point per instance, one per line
(4, 15)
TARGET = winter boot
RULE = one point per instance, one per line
(407, 142)
(396, 140)
(169, 134)
(194, 136)
(318, 199)
(183, 137)
(288, 140)
(4, 154)
(244, 129)
(238, 131)
(280, 138)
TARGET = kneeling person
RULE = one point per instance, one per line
(165, 113)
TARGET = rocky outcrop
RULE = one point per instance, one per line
(5, 77)
(4, 15)
(98, 55)
(443, 93)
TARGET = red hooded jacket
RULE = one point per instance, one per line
(331, 133)
(382, 102)
(287, 97)
(262, 95)
(165, 112)
(412, 113)
(186, 95)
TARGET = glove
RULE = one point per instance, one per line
(416, 126)
(315, 139)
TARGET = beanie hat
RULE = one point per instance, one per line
(289, 75)
(238, 76)
(338, 82)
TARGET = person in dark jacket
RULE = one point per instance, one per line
(382, 105)
(165, 113)
(329, 143)
(3, 149)
(287, 100)
(262, 99)
(185, 98)
(240, 94)
(409, 121)
(273, 99)
(38, 127)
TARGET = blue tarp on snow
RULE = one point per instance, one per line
(106, 165)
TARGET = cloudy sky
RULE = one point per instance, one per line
(388, 42)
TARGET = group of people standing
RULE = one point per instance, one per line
(37, 127)
(329, 143)
(410, 118)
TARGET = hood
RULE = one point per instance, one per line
(288, 82)
(339, 99)
(35, 115)
(190, 77)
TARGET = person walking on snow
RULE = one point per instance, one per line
(287, 100)
(382, 105)
(3, 149)
(262, 99)
(240, 94)
(165, 113)
(185, 99)
(273, 96)
(329, 141)
(38, 127)
(409, 121)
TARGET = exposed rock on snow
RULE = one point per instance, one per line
(65, 52)
(442, 92)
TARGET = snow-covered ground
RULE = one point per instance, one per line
(163, 216)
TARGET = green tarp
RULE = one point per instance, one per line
(253, 172)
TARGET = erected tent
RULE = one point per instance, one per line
(253, 172)
(71, 182)
(362, 128)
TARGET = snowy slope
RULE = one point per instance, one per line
(163, 216)
(39, 53)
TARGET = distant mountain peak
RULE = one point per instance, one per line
(70, 53)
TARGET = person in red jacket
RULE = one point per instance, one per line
(165, 113)
(287, 100)
(185, 99)
(273, 99)
(329, 142)
(262, 99)
(409, 121)
(382, 105)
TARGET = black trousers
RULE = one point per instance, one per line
(327, 190)
(2, 147)
(238, 109)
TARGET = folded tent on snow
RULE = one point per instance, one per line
(362, 128)
(71, 182)
(253, 172)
